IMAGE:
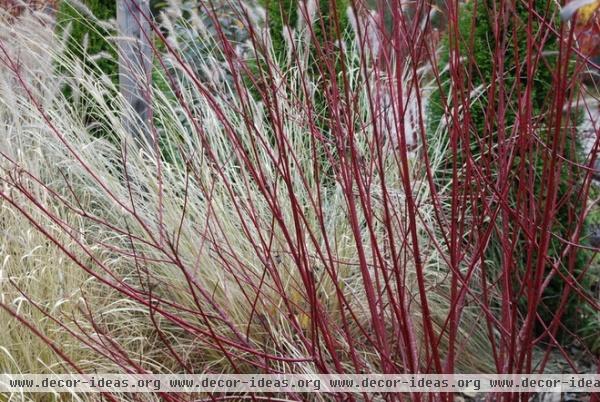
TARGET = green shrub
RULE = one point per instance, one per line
(479, 49)
(85, 41)
(285, 13)
(83, 30)
(330, 28)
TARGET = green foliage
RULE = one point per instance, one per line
(85, 41)
(330, 28)
(282, 13)
(591, 327)
(479, 49)
(83, 30)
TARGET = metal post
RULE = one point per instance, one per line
(135, 66)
